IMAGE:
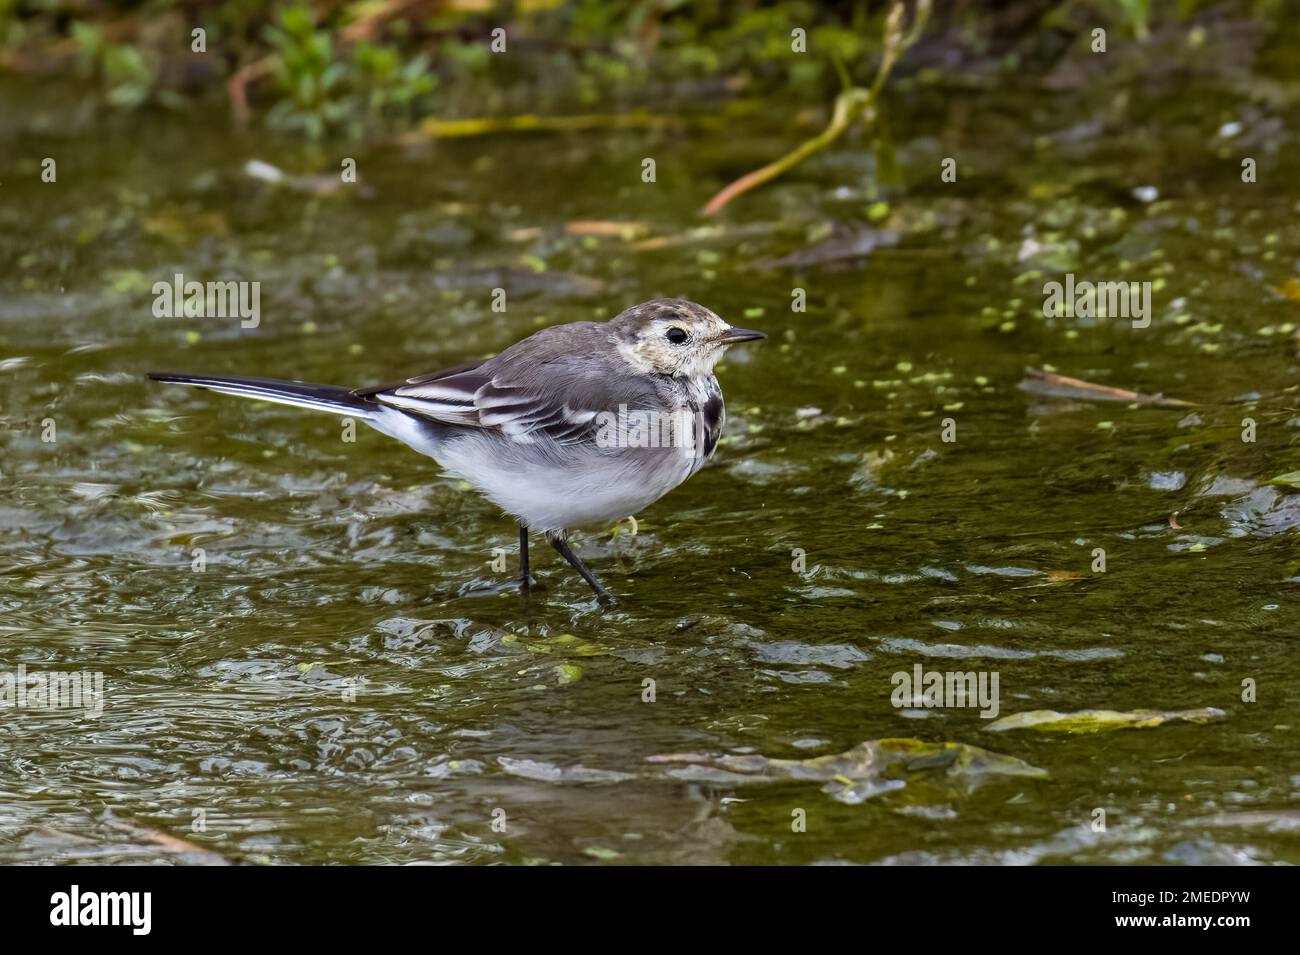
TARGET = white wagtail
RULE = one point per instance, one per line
(576, 424)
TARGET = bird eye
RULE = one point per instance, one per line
(676, 335)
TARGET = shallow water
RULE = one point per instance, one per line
(339, 684)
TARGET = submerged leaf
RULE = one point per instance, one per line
(566, 673)
(566, 644)
(1100, 721)
(551, 773)
(935, 770)
(848, 245)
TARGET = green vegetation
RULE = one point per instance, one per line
(372, 68)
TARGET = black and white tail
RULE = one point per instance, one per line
(333, 398)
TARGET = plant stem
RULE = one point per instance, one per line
(851, 105)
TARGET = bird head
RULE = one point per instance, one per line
(675, 337)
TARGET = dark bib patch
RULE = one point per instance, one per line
(710, 418)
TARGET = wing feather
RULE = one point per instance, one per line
(554, 384)
(476, 400)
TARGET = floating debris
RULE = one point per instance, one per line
(319, 185)
(1048, 384)
(165, 842)
(1280, 820)
(1101, 721)
(603, 228)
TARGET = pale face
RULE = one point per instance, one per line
(675, 337)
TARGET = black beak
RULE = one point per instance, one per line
(733, 335)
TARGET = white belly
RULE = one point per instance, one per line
(551, 492)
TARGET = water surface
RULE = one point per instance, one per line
(338, 684)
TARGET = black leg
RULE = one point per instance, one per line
(560, 541)
(523, 558)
